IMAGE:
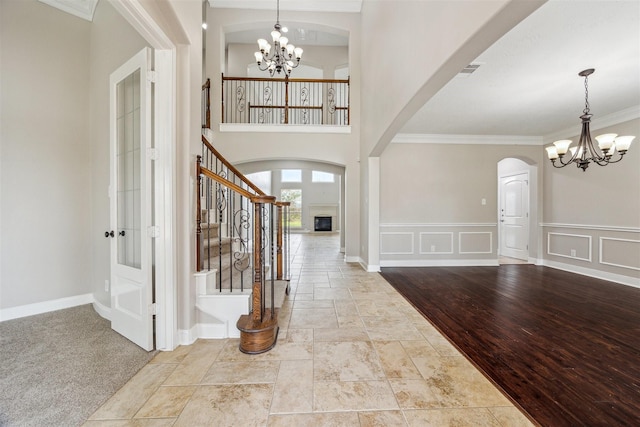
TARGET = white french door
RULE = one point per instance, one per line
(514, 216)
(130, 201)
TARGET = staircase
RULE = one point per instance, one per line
(239, 288)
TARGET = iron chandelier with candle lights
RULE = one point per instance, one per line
(284, 56)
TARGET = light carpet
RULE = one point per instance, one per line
(57, 368)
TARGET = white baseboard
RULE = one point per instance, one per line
(440, 263)
(44, 307)
(188, 336)
(617, 278)
(102, 310)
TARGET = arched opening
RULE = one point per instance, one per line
(315, 190)
(517, 210)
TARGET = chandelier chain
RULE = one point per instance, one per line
(586, 96)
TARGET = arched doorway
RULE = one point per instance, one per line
(517, 207)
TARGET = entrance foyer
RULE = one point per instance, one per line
(351, 351)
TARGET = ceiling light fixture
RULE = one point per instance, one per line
(284, 57)
(585, 152)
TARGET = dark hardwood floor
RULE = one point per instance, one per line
(563, 347)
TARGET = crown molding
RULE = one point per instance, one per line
(418, 138)
(352, 6)
(597, 123)
(81, 8)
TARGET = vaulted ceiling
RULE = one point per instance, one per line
(527, 83)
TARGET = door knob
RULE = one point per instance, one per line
(121, 233)
(109, 233)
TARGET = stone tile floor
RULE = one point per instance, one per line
(351, 352)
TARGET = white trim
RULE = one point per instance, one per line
(44, 307)
(263, 128)
(460, 251)
(165, 201)
(440, 263)
(569, 256)
(352, 259)
(188, 336)
(141, 21)
(612, 119)
(102, 310)
(423, 138)
(598, 274)
(421, 233)
(591, 227)
(411, 234)
(82, 9)
(601, 249)
(345, 6)
(373, 268)
(461, 224)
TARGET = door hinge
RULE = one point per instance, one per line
(152, 76)
(153, 231)
(152, 154)
(153, 308)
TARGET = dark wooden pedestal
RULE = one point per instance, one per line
(258, 336)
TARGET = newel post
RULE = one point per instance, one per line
(259, 329)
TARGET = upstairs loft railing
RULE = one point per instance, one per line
(206, 105)
(285, 101)
(243, 234)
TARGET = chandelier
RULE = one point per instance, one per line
(585, 152)
(284, 57)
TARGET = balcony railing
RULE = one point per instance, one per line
(285, 101)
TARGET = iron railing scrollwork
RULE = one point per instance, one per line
(285, 101)
(240, 232)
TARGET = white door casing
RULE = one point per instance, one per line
(130, 201)
(514, 216)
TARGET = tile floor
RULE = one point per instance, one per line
(351, 352)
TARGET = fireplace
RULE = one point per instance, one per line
(322, 223)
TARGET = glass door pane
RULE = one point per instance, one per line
(128, 175)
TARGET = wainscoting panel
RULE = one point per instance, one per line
(474, 242)
(571, 247)
(623, 253)
(575, 246)
(438, 244)
(398, 243)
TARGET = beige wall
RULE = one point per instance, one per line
(595, 213)
(450, 35)
(113, 42)
(327, 58)
(340, 149)
(431, 194)
(45, 171)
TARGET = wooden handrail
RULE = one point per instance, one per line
(292, 80)
(231, 185)
(292, 107)
(231, 167)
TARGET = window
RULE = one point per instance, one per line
(317, 176)
(294, 196)
(291, 175)
(262, 180)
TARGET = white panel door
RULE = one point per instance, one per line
(130, 201)
(514, 216)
